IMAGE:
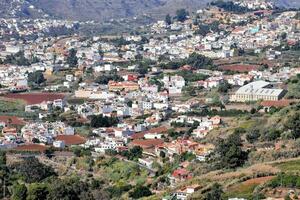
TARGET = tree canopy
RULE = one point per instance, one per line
(17, 59)
(100, 121)
(105, 78)
(72, 59)
(215, 192)
(230, 6)
(32, 170)
(229, 153)
(182, 15)
(168, 19)
(36, 78)
(195, 60)
(139, 192)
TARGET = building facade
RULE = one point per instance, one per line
(258, 90)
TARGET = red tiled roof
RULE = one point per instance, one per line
(278, 104)
(14, 120)
(141, 135)
(31, 147)
(71, 139)
(9, 130)
(161, 129)
(138, 136)
(180, 172)
(147, 144)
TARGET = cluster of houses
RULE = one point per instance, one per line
(147, 106)
(252, 36)
(45, 133)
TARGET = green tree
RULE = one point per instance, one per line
(253, 135)
(142, 69)
(54, 59)
(19, 192)
(181, 15)
(198, 61)
(134, 153)
(36, 78)
(229, 153)
(293, 124)
(80, 151)
(49, 152)
(168, 19)
(224, 87)
(271, 134)
(117, 190)
(283, 36)
(230, 6)
(100, 121)
(2, 160)
(37, 191)
(104, 79)
(32, 170)
(139, 192)
(162, 154)
(69, 189)
(72, 59)
(17, 59)
(100, 52)
(215, 192)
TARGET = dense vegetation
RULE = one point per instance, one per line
(36, 78)
(20, 59)
(101, 121)
(229, 153)
(29, 179)
(105, 78)
(182, 15)
(72, 59)
(229, 6)
(204, 29)
(285, 180)
(195, 60)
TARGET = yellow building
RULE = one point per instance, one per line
(257, 90)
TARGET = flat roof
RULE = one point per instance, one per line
(258, 88)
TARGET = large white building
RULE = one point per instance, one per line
(257, 90)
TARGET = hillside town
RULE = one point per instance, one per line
(196, 105)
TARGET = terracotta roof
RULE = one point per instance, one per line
(71, 139)
(141, 135)
(239, 29)
(278, 104)
(137, 136)
(9, 130)
(15, 120)
(180, 172)
(31, 147)
(122, 84)
(161, 129)
(147, 144)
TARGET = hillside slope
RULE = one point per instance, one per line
(104, 10)
(99, 10)
(288, 3)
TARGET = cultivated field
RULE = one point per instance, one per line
(35, 98)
